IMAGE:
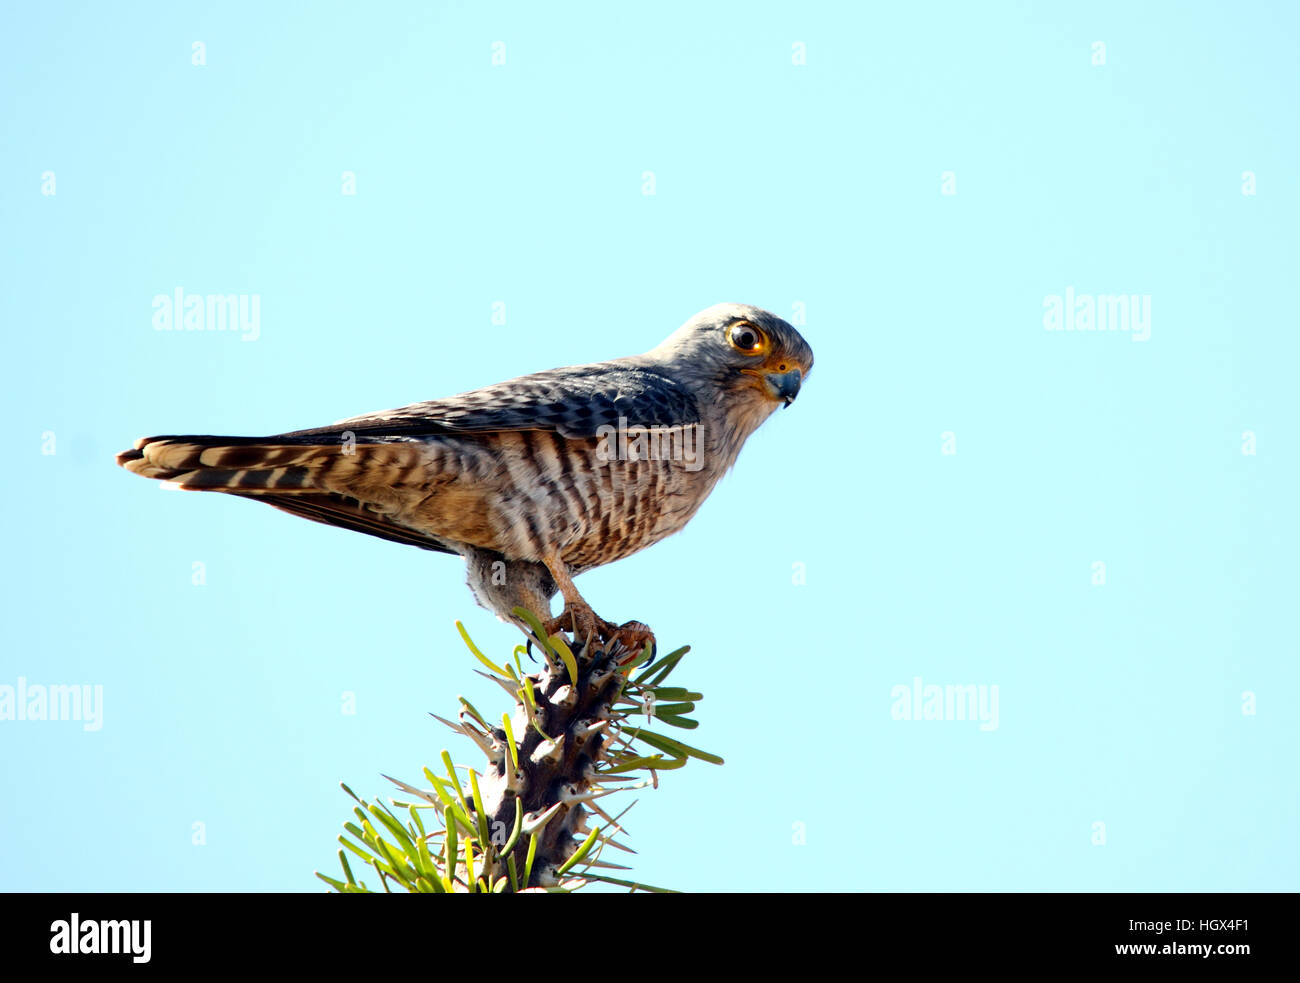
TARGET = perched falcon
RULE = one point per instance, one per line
(533, 480)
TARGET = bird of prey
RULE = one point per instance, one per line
(533, 480)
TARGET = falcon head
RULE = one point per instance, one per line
(752, 357)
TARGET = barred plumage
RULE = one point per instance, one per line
(532, 480)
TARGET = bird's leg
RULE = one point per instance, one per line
(579, 617)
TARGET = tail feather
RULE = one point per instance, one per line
(356, 486)
(266, 464)
(204, 467)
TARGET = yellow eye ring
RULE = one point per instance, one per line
(747, 338)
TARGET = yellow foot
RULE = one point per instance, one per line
(580, 621)
(634, 636)
(584, 624)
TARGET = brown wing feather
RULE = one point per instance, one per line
(335, 510)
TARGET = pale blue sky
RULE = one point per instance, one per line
(776, 184)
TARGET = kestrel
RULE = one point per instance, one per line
(533, 480)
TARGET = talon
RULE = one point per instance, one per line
(581, 622)
(557, 625)
(634, 635)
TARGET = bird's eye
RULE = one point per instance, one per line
(746, 338)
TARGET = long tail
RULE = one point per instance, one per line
(357, 486)
(280, 465)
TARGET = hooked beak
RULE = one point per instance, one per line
(784, 386)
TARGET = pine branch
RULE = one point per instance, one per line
(538, 816)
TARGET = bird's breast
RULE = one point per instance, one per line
(596, 500)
